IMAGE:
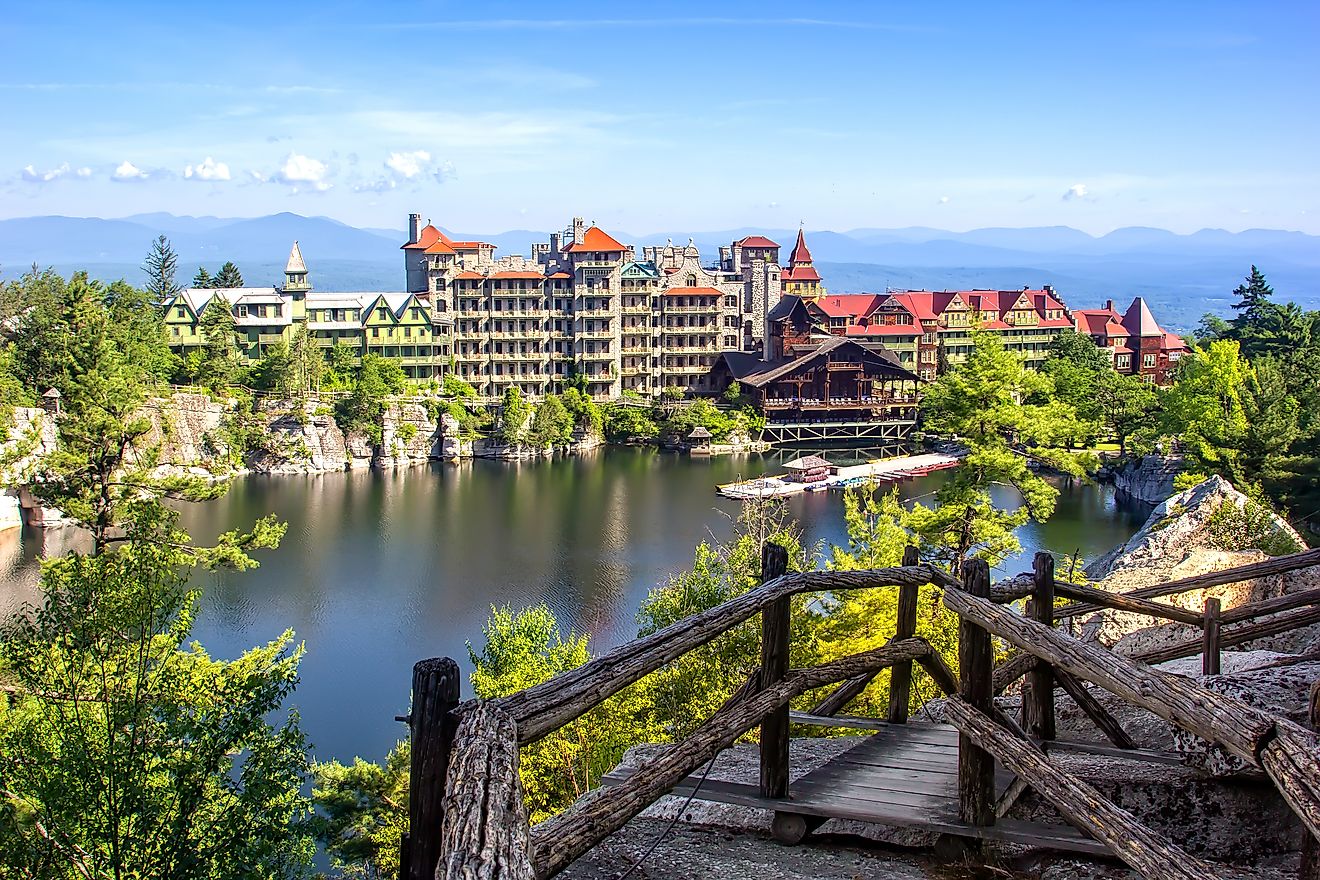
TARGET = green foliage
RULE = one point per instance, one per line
(452, 386)
(628, 424)
(703, 412)
(585, 413)
(363, 813)
(160, 266)
(1078, 369)
(991, 403)
(220, 342)
(552, 425)
(1128, 408)
(513, 417)
(1250, 526)
(1204, 409)
(228, 276)
(128, 753)
(363, 410)
(203, 280)
(526, 648)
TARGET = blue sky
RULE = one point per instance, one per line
(668, 116)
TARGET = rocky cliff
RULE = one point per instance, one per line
(1149, 478)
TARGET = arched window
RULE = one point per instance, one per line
(692, 281)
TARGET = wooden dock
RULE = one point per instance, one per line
(904, 776)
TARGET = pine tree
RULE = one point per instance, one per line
(229, 276)
(203, 279)
(160, 267)
(1254, 293)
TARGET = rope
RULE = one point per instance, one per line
(672, 822)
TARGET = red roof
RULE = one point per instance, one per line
(1173, 342)
(1055, 322)
(800, 273)
(845, 305)
(518, 276)
(693, 291)
(427, 237)
(921, 305)
(560, 275)
(800, 253)
(596, 239)
(756, 241)
(439, 247)
(470, 276)
(996, 325)
(1098, 322)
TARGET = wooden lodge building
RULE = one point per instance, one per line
(835, 389)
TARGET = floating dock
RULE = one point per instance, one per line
(888, 470)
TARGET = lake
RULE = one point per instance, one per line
(379, 570)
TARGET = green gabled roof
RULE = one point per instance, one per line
(641, 270)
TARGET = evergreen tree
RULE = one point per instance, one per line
(229, 276)
(203, 280)
(219, 331)
(1127, 406)
(1253, 293)
(985, 403)
(160, 266)
(552, 424)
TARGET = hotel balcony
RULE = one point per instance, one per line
(713, 308)
(817, 403)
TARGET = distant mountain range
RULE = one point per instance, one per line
(1182, 276)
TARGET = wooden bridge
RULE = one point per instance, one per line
(467, 818)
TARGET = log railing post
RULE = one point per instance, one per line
(976, 766)
(774, 666)
(431, 726)
(1210, 638)
(900, 677)
(1038, 694)
(1310, 863)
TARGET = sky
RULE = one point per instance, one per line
(667, 116)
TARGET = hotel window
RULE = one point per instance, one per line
(242, 311)
(181, 312)
(1148, 360)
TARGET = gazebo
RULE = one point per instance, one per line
(698, 441)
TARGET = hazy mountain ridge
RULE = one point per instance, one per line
(1182, 275)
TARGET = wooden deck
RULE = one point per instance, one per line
(903, 775)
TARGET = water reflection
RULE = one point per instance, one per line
(380, 570)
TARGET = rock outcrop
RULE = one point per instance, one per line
(1149, 478)
(408, 436)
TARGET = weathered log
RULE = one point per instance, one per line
(485, 834)
(1139, 847)
(431, 725)
(552, 704)
(1126, 602)
(1038, 686)
(1309, 868)
(1264, 568)
(558, 841)
(1210, 638)
(1230, 636)
(1292, 760)
(900, 677)
(1270, 606)
(1234, 725)
(774, 665)
(844, 694)
(945, 679)
(1094, 710)
(976, 659)
(1015, 790)
(1011, 670)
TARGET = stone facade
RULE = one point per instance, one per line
(586, 305)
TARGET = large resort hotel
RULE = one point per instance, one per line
(585, 306)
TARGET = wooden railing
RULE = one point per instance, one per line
(466, 811)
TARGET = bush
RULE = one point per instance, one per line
(1250, 526)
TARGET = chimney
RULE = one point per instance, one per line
(1109, 304)
(579, 229)
(414, 228)
(554, 243)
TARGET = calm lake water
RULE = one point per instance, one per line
(379, 570)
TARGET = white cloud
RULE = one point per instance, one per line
(944, 200)
(84, 172)
(408, 165)
(128, 171)
(298, 170)
(32, 175)
(1076, 191)
(207, 170)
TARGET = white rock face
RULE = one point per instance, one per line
(11, 515)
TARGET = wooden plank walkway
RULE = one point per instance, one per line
(905, 775)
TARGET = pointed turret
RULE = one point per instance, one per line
(801, 278)
(295, 271)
